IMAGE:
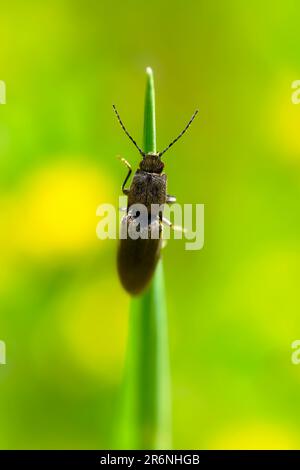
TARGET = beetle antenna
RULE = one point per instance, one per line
(181, 134)
(126, 132)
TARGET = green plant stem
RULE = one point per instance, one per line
(149, 114)
(145, 419)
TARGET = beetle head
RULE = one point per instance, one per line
(152, 163)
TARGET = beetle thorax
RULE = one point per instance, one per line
(152, 163)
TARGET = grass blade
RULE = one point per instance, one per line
(145, 415)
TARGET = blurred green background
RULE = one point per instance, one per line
(234, 306)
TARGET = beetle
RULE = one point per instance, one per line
(137, 258)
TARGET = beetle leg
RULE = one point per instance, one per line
(164, 244)
(170, 199)
(164, 240)
(124, 190)
(177, 228)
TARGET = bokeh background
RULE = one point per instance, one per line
(234, 306)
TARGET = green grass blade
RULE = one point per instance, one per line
(145, 415)
(149, 114)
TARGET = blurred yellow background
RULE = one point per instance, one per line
(234, 306)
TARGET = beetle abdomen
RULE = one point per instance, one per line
(137, 260)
